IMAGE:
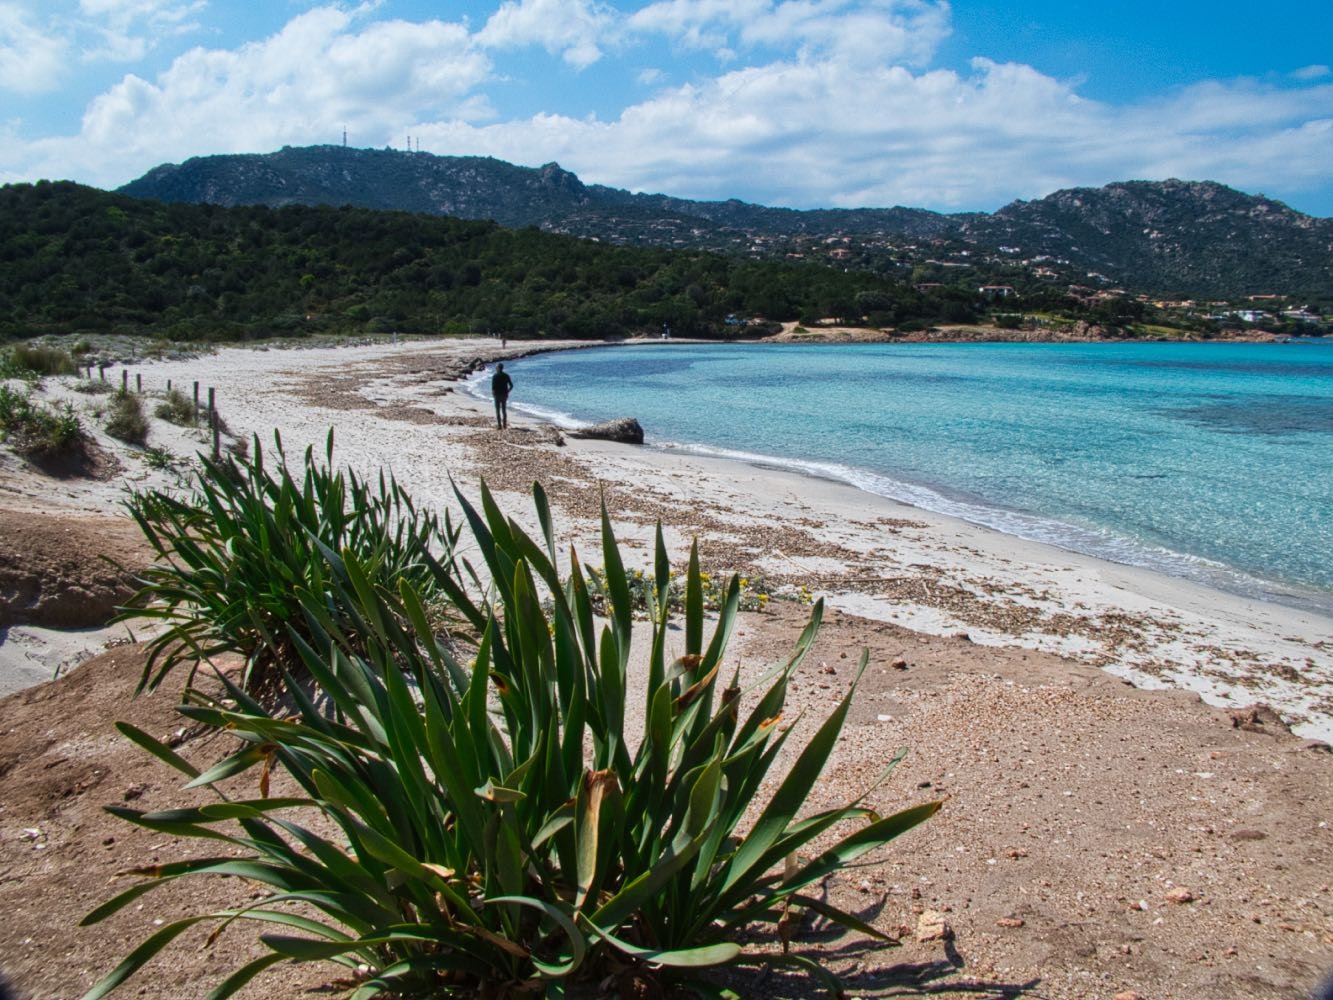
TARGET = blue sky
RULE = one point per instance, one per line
(803, 103)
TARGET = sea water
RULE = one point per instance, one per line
(1207, 461)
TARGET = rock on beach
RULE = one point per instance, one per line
(625, 430)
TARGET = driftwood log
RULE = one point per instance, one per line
(626, 430)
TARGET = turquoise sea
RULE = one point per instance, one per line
(1207, 461)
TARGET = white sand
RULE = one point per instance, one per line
(1145, 627)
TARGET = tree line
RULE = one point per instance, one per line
(78, 259)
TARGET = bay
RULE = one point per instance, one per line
(1212, 462)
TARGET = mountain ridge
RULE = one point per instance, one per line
(1174, 237)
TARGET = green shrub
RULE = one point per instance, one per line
(176, 408)
(498, 834)
(37, 359)
(125, 419)
(233, 558)
(35, 430)
(159, 458)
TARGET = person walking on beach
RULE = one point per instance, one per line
(501, 384)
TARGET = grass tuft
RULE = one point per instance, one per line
(23, 360)
(176, 408)
(125, 419)
(35, 430)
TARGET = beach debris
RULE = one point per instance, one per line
(899, 664)
(1180, 896)
(931, 926)
(1010, 922)
(1256, 718)
(1129, 995)
(625, 430)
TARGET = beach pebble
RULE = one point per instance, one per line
(899, 664)
(1129, 995)
(1180, 896)
(931, 926)
(1010, 922)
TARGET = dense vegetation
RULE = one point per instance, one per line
(468, 808)
(78, 259)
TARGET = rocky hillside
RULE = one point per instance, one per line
(1170, 237)
(1200, 237)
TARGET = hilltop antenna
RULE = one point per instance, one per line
(344, 137)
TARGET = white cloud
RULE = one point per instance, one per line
(809, 133)
(41, 42)
(127, 30)
(868, 32)
(32, 54)
(1317, 72)
(573, 29)
(302, 85)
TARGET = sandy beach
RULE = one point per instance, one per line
(1074, 711)
(399, 408)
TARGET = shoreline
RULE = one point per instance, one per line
(399, 407)
(1247, 585)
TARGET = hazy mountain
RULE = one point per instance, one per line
(1175, 237)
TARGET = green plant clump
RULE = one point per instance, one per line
(125, 419)
(498, 831)
(177, 408)
(232, 559)
(36, 360)
(35, 430)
